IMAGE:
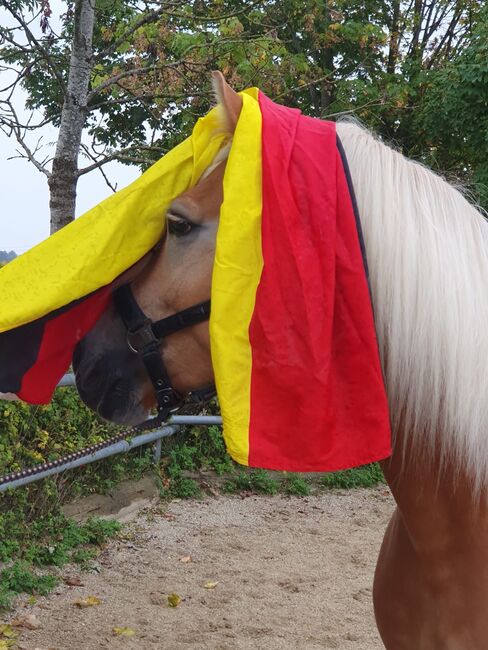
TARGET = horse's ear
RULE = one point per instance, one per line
(228, 99)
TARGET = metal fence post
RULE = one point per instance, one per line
(157, 451)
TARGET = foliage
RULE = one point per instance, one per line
(391, 63)
(257, 480)
(366, 476)
(34, 434)
(296, 486)
(454, 115)
(19, 578)
(52, 540)
(33, 529)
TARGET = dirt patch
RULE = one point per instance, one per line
(289, 573)
(121, 503)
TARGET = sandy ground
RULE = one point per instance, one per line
(291, 573)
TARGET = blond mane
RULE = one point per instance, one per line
(427, 250)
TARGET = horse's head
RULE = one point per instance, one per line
(110, 377)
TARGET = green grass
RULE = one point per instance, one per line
(19, 578)
(257, 480)
(296, 486)
(34, 534)
(49, 541)
(366, 476)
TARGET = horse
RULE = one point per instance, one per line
(427, 252)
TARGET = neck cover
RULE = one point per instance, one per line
(292, 333)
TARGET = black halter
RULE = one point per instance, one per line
(144, 337)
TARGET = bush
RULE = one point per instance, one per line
(33, 530)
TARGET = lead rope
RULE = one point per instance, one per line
(148, 425)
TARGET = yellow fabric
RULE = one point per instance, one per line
(96, 248)
(237, 271)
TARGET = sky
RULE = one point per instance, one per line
(24, 196)
(24, 193)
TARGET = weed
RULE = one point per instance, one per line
(19, 578)
(366, 476)
(297, 486)
(258, 480)
(181, 488)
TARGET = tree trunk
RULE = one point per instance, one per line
(64, 177)
(394, 38)
(417, 27)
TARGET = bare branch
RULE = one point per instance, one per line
(11, 127)
(217, 18)
(105, 178)
(120, 155)
(37, 44)
(305, 85)
(136, 72)
(144, 97)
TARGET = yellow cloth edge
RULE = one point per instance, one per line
(236, 274)
(104, 242)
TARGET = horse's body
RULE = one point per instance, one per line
(427, 251)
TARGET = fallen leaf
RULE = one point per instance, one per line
(89, 601)
(6, 644)
(73, 581)
(123, 631)
(30, 622)
(210, 584)
(173, 600)
(32, 600)
(186, 559)
(7, 631)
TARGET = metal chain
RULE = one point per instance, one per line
(148, 425)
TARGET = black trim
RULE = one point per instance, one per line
(347, 172)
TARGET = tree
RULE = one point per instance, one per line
(131, 75)
(134, 77)
(454, 115)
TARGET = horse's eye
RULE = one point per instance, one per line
(179, 227)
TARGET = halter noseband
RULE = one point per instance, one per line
(144, 337)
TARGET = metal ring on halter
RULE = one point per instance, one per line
(144, 337)
(138, 339)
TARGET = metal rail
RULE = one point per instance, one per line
(174, 424)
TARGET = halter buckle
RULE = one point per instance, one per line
(140, 338)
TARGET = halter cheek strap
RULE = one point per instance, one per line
(144, 337)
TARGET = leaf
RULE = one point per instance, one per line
(30, 622)
(123, 631)
(210, 584)
(7, 631)
(6, 644)
(186, 559)
(89, 601)
(174, 600)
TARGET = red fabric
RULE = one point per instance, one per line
(317, 395)
(60, 336)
